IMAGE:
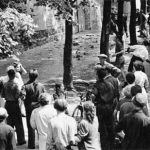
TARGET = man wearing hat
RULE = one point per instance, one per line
(41, 116)
(11, 93)
(103, 63)
(7, 134)
(136, 126)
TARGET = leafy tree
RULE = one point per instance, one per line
(15, 28)
(11, 3)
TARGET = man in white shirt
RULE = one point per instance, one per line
(139, 53)
(40, 118)
(62, 128)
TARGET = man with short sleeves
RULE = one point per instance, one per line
(11, 93)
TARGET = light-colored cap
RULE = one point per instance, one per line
(140, 99)
(10, 68)
(102, 56)
(3, 113)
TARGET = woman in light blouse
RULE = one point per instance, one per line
(88, 128)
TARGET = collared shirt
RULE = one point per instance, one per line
(62, 129)
(141, 79)
(32, 91)
(11, 91)
(39, 120)
(5, 79)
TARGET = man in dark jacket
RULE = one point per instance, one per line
(136, 126)
(104, 93)
(7, 133)
(111, 79)
(31, 91)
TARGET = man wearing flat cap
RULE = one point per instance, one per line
(11, 93)
(136, 126)
(7, 133)
(103, 63)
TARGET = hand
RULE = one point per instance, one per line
(128, 50)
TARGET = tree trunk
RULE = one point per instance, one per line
(119, 41)
(104, 43)
(67, 59)
(133, 39)
(120, 18)
(143, 6)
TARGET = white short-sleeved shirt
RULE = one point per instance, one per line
(140, 51)
(62, 129)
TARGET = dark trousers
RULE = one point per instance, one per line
(31, 131)
(106, 128)
(15, 120)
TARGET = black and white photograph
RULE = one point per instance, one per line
(74, 74)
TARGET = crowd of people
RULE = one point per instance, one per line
(116, 116)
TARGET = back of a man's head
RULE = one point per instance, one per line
(60, 105)
(101, 73)
(45, 99)
(130, 78)
(135, 90)
(11, 72)
(33, 74)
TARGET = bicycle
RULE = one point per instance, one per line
(78, 111)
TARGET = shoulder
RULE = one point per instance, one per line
(126, 105)
(7, 128)
(35, 111)
(71, 119)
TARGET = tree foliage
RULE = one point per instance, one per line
(65, 8)
(15, 28)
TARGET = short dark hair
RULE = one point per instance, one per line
(138, 67)
(135, 90)
(101, 73)
(60, 104)
(45, 98)
(130, 77)
(33, 74)
(145, 42)
(11, 73)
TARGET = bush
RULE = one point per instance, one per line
(15, 28)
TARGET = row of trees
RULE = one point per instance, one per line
(65, 9)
